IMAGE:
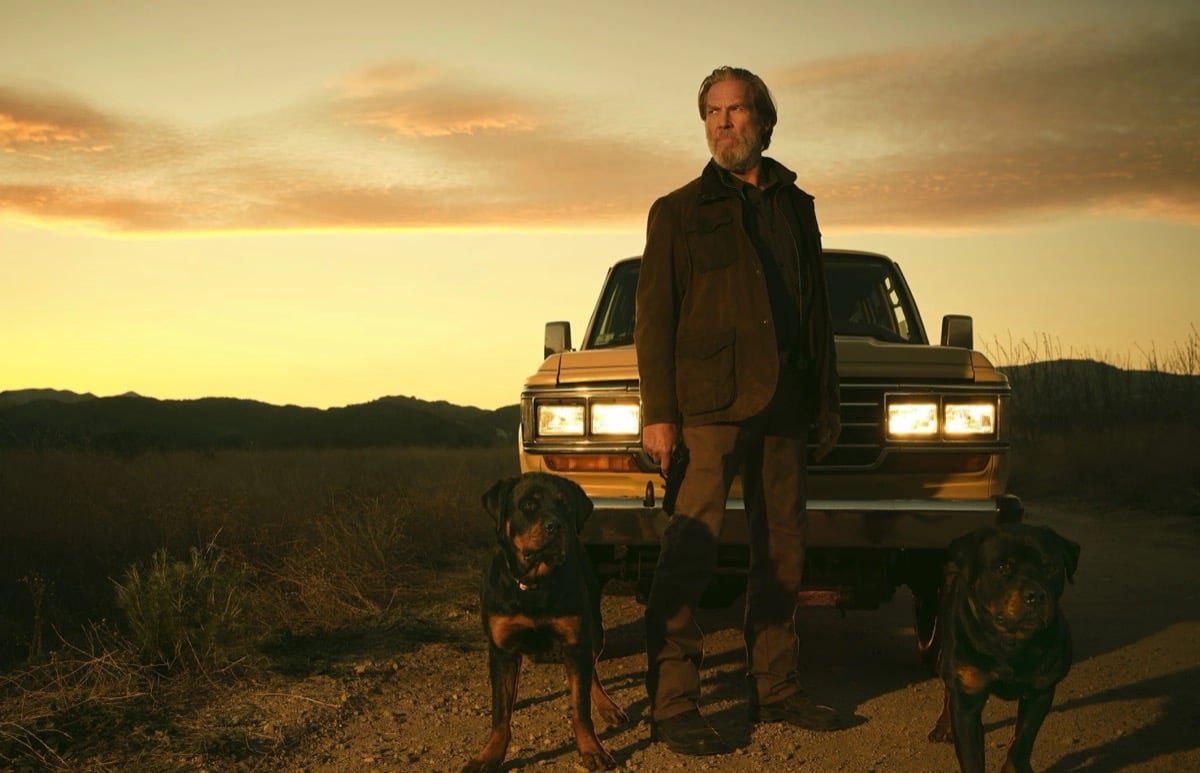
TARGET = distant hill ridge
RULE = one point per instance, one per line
(21, 396)
(130, 423)
(1057, 391)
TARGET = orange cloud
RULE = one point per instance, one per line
(15, 131)
(98, 207)
(37, 125)
(416, 101)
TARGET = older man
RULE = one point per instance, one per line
(736, 361)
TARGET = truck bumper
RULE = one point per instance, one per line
(841, 523)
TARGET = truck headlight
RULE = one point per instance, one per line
(560, 419)
(615, 418)
(970, 418)
(912, 419)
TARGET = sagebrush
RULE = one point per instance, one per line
(185, 612)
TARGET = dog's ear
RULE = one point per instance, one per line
(963, 549)
(495, 499)
(1068, 549)
(580, 501)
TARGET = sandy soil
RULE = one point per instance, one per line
(1130, 703)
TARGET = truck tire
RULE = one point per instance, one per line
(925, 628)
(925, 572)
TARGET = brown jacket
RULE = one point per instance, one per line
(705, 337)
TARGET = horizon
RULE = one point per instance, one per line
(1189, 368)
(265, 210)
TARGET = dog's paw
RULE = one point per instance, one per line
(612, 714)
(597, 759)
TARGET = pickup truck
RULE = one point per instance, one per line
(923, 456)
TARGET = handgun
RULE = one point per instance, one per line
(674, 476)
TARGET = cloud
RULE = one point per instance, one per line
(1008, 129)
(38, 124)
(417, 102)
(106, 207)
(1005, 131)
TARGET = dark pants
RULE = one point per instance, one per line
(769, 452)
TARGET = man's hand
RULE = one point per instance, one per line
(829, 428)
(659, 440)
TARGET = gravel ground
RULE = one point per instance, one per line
(1130, 703)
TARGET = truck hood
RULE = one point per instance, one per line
(587, 366)
(858, 358)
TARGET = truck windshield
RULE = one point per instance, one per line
(866, 296)
(613, 323)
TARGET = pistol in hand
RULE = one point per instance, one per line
(674, 476)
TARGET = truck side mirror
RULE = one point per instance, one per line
(558, 338)
(958, 330)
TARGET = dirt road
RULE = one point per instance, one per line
(1132, 701)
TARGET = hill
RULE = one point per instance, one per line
(130, 423)
(1083, 391)
(22, 396)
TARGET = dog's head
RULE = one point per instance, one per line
(1014, 575)
(538, 516)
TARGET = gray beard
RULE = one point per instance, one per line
(739, 159)
(737, 165)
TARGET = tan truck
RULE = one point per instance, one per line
(923, 456)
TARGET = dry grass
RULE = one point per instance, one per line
(1113, 435)
(335, 534)
(96, 688)
(1145, 466)
(319, 543)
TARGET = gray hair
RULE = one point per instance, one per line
(760, 97)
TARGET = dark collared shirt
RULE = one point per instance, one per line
(774, 242)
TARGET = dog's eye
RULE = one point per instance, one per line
(1003, 568)
(1050, 568)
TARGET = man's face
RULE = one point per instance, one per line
(732, 127)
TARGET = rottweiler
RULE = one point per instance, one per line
(1003, 634)
(541, 599)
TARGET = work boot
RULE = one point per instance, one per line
(688, 733)
(799, 710)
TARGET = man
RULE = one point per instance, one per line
(736, 360)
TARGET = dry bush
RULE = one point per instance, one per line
(52, 712)
(372, 552)
(186, 613)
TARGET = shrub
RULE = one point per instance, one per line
(184, 612)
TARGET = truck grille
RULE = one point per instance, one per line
(861, 442)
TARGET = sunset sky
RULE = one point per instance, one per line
(323, 203)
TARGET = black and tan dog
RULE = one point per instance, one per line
(541, 599)
(1003, 634)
